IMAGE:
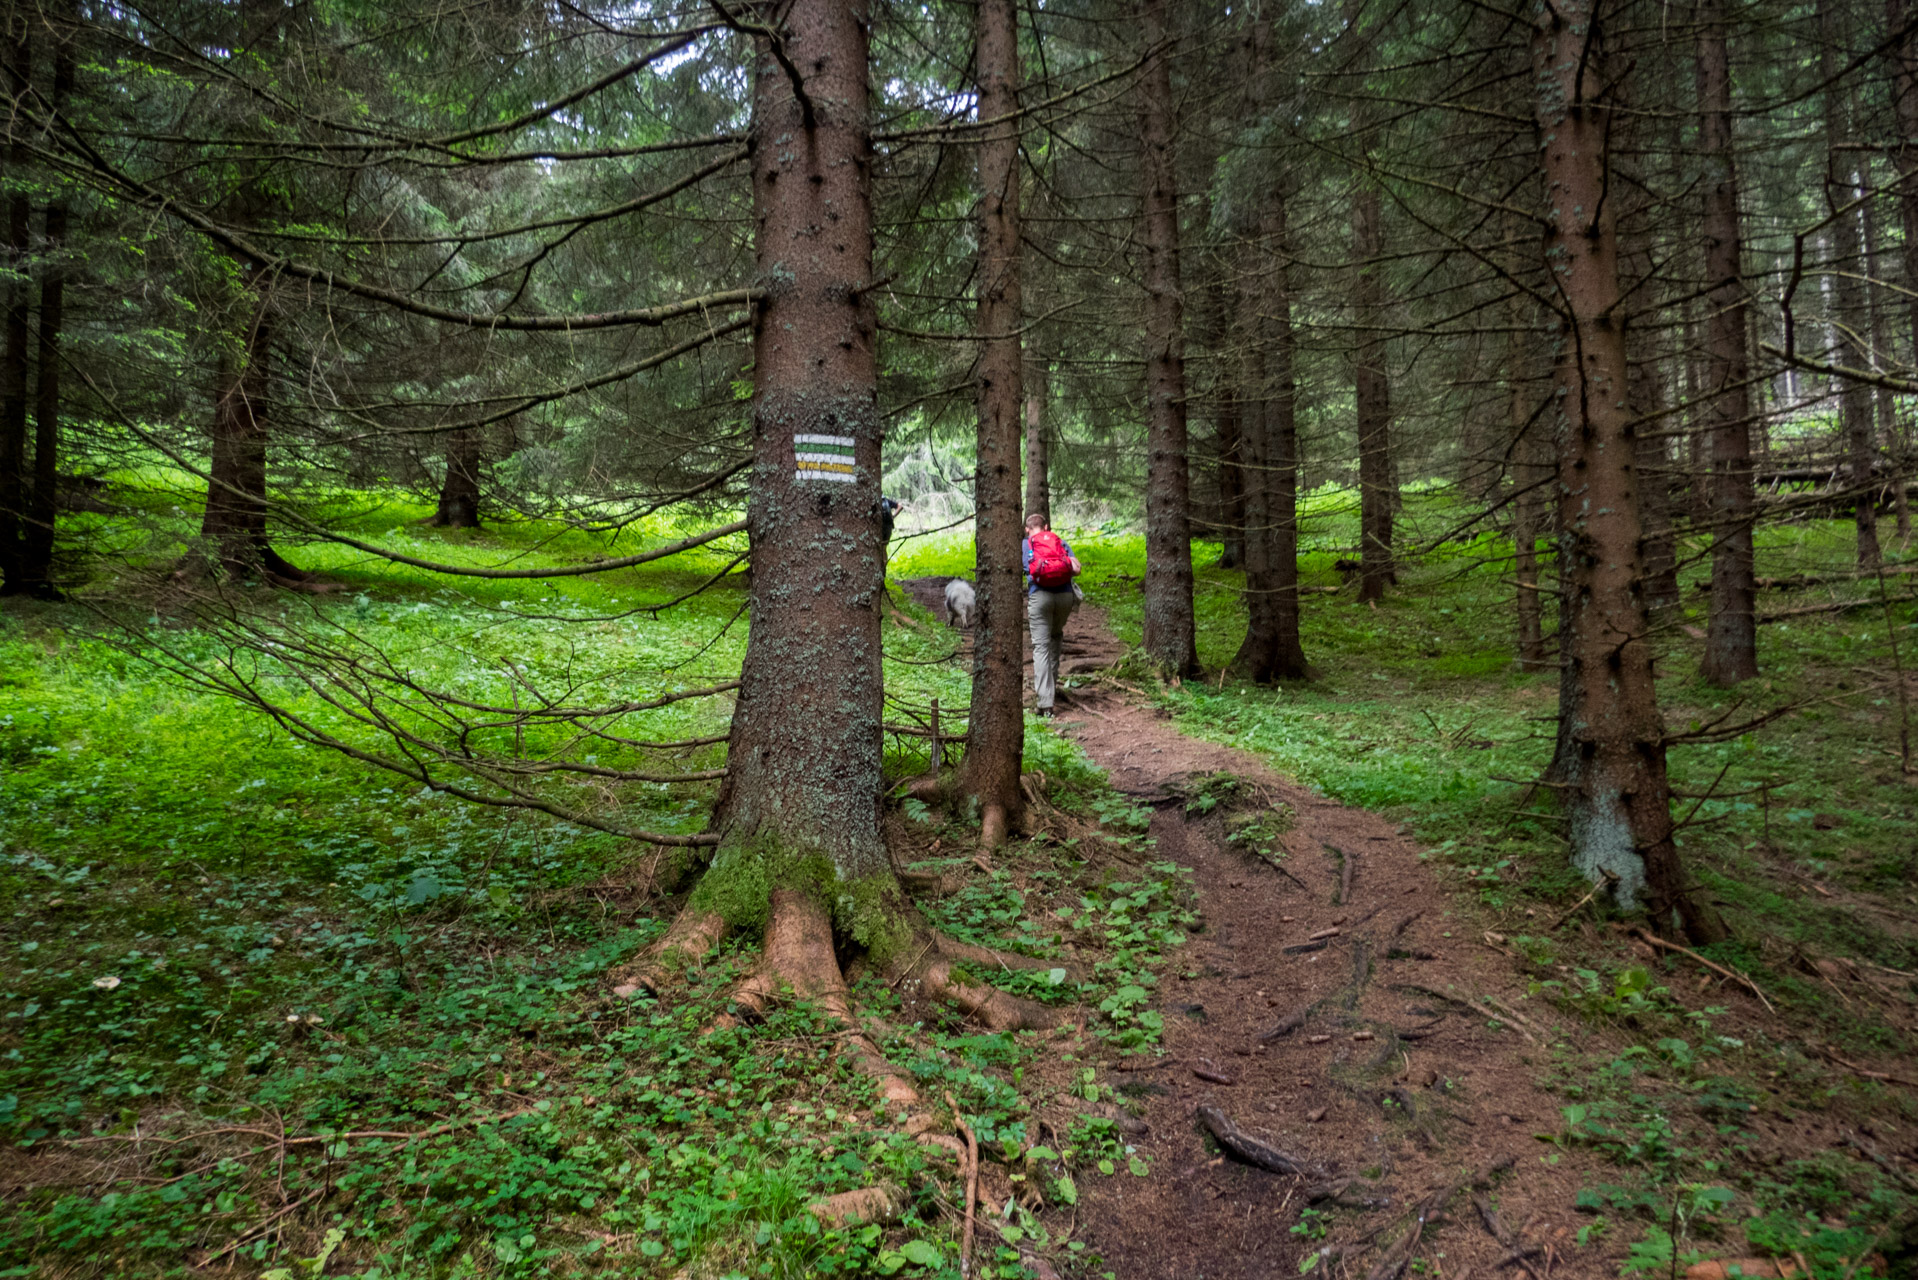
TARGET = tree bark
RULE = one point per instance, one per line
(805, 777)
(1038, 479)
(1272, 649)
(1848, 300)
(996, 727)
(1227, 409)
(1617, 796)
(233, 526)
(1531, 469)
(15, 356)
(43, 504)
(1372, 393)
(1731, 642)
(1884, 402)
(459, 505)
(1171, 636)
(1904, 97)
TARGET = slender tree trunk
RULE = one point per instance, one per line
(1883, 401)
(1170, 633)
(1731, 642)
(1618, 797)
(1038, 481)
(1904, 97)
(996, 729)
(43, 503)
(459, 505)
(1697, 433)
(1226, 415)
(805, 755)
(1851, 322)
(15, 356)
(233, 526)
(1530, 470)
(1372, 391)
(1272, 649)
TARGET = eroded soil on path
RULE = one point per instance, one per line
(1386, 1078)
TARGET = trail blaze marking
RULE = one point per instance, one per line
(824, 458)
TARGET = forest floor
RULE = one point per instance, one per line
(259, 1002)
(1346, 1009)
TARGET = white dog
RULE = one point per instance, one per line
(960, 602)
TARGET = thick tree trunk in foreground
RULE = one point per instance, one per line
(1038, 477)
(996, 727)
(1848, 293)
(14, 355)
(1372, 392)
(1612, 738)
(1170, 633)
(1731, 643)
(805, 756)
(459, 505)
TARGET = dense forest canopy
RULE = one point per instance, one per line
(557, 420)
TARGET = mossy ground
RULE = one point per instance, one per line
(221, 933)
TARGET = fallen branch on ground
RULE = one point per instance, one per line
(1733, 974)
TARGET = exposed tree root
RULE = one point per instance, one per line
(691, 936)
(980, 1001)
(993, 827)
(882, 1203)
(988, 957)
(799, 956)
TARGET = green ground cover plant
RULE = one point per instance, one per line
(240, 965)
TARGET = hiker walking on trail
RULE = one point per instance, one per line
(1051, 596)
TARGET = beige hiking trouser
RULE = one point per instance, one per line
(1046, 614)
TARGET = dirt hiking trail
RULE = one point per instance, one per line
(1342, 1014)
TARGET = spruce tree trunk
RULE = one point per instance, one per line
(1226, 415)
(996, 727)
(43, 503)
(1530, 468)
(805, 757)
(1731, 642)
(1268, 428)
(1372, 392)
(1038, 451)
(1618, 798)
(233, 526)
(1883, 401)
(459, 505)
(1848, 296)
(1904, 98)
(15, 357)
(1170, 633)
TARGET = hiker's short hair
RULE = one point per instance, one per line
(1037, 521)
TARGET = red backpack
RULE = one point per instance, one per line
(1051, 567)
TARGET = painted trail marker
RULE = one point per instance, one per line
(824, 458)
